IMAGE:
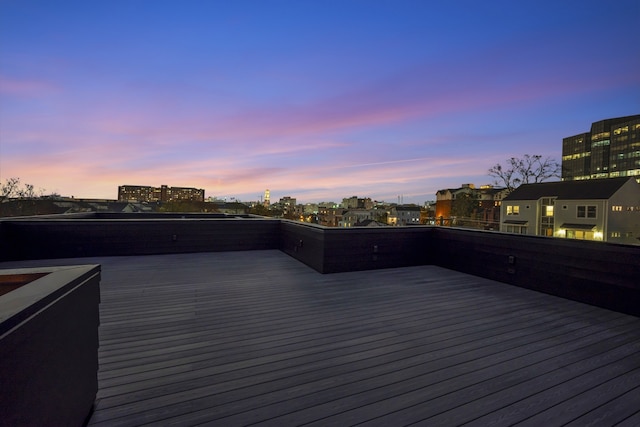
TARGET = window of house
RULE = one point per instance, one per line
(513, 210)
(517, 229)
(586, 211)
(616, 208)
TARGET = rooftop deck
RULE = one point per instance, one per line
(256, 337)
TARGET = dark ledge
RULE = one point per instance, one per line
(49, 344)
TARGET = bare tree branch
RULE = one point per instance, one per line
(529, 169)
(12, 188)
(9, 188)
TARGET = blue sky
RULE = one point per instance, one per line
(317, 100)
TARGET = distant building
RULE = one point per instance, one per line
(610, 150)
(288, 205)
(428, 213)
(489, 202)
(602, 209)
(352, 217)
(139, 193)
(330, 216)
(446, 198)
(370, 223)
(231, 208)
(480, 204)
(357, 203)
(404, 215)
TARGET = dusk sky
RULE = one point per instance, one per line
(317, 100)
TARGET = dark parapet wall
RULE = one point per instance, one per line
(335, 250)
(304, 242)
(49, 347)
(602, 274)
(73, 238)
(364, 248)
(598, 273)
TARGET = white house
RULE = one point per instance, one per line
(404, 215)
(597, 209)
(355, 216)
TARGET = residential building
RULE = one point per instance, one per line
(371, 223)
(289, 206)
(446, 199)
(603, 209)
(404, 215)
(329, 215)
(428, 213)
(353, 217)
(610, 149)
(489, 202)
(231, 208)
(478, 204)
(355, 202)
(140, 193)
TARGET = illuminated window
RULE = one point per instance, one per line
(621, 130)
(513, 210)
(616, 208)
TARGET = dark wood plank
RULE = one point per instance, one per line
(615, 399)
(334, 370)
(631, 421)
(234, 338)
(616, 410)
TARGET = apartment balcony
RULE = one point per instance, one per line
(239, 321)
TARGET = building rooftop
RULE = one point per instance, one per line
(245, 337)
(591, 189)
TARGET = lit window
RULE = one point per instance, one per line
(548, 211)
(513, 210)
(616, 208)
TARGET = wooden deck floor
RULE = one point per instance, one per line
(243, 338)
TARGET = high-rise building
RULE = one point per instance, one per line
(610, 150)
(141, 193)
(267, 196)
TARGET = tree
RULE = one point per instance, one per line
(8, 188)
(12, 188)
(259, 209)
(464, 205)
(526, 170)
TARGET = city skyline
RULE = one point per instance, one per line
(317, 101)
